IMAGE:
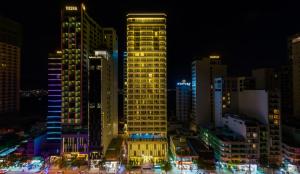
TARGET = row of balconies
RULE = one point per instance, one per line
(143, 86)
(149, 124)
(146, 60)
(156, 129)
(131, 117)
(147, 113)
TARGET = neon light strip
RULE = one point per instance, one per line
(53, 116)
(55, 111)
(54, 63)
(53, 127)
(53, 122)
(52, 138)
(53, 132)
(54, 85)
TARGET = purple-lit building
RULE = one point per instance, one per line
(54, 103)
(34, 145)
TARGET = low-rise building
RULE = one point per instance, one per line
(182, 154)
(291, 145)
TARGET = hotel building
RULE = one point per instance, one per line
(146, 88)
(80, 37)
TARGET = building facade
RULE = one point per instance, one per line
(204, 72)
(183, 101)
(183, 155)
(266, 78)
(101, 104)
(80, 37)
(146, 88)
(286, 90)
(295, 61)
(291, 144)
(10, 55)
(264, 106)
(54, 102)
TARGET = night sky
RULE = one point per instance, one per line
(246, 35)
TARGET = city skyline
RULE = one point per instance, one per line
(111, 105)
(241, 35)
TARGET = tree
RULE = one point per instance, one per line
(166, 166)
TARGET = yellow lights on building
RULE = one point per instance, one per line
(145, 84)
(71, 8)
(214, 57)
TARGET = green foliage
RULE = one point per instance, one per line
(166, 166)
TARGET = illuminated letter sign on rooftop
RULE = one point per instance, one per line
(214, 57)
(181, 84)
(71, 8)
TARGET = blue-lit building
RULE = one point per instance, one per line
(54, 102)
(183, 101)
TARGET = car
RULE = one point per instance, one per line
(59, 172)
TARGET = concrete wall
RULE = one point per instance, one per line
(254, 103)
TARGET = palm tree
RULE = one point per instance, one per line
(166, 166)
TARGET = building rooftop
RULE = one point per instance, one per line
(182, 147)
(249, 121)
(197, 145)
(226, 134)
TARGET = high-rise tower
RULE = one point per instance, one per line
(10, 55)
(145, 84)
(101, 103)
(204, 72)
(295, 68)
(183, 101)
(80, 36)
(54, 103)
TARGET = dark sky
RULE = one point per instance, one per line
(247, 35)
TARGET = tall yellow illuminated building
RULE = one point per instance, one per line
(145, 84)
